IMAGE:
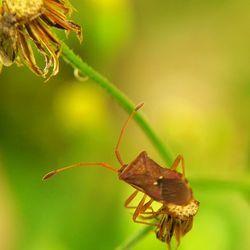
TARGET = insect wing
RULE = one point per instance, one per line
(174, 191)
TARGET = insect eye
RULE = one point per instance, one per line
(122, 168)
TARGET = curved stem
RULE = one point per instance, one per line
(135, 238)
(75, 61)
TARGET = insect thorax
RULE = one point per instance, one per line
(160, 184)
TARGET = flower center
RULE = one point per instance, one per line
(24, 9)
(184, 212)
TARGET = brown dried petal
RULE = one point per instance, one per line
(40, 47)
(59, 20)
(44, 38)
(28, 56)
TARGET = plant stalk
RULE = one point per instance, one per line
(76, 62)
(135, 238)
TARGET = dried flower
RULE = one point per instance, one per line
(26, 24)
(175, 220)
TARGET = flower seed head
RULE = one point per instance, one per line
(176, 220)
(183, 212)
(27, 22)
(24, 9)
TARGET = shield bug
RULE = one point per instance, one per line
(165, 186)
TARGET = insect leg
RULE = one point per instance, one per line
(146, 215)
(153, 214)
(117, 149)
(130, 198)
(141, 208)
(147, 205)
(176, 162)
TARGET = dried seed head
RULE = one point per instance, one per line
(24, 8)
(176, 221)
(183, 212)
(23, 22)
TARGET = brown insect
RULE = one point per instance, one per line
(165, 186)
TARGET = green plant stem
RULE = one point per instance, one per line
(135, 238)
(76, 62)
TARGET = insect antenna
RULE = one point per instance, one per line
(117, 149)
(101, 164)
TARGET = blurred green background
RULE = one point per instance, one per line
(189, 61)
